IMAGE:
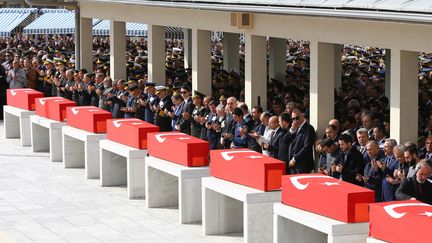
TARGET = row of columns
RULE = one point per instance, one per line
(325, 66)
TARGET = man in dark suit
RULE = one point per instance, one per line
(277, 133)
(417, 187)
(228, 126)
(301, 144)
(183, 123)
(162, 108)
(284, 142)
(352, 161)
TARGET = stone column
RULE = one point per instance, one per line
(86, 46)
(201, 61)
(231, 57)
(255, 70)
(322, 80)
(277, 58)
(388, 72)
(404, 96)
(118, 50)
(187, 47)
(156, 54)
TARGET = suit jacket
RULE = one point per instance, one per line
(301, 149)
(185, 124)
(228, 127)
(353, 164)
(410, 188)
(273, 149)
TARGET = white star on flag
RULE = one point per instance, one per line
(427, 214)
(328, 183)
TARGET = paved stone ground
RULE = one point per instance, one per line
(40, 201)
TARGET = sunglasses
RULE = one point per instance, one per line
(183, 92)
(296, 118)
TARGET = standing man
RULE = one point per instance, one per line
(162, 109)
(227, 132)
(151, 99)
(273, 145)
(417, 187)
(373, 175)
(352, 163)
(184, 122)
(301, 144)
(16, 77)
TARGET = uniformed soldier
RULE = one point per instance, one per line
(162, 109)
(150, 99)
(47, 77)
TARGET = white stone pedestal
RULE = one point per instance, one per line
(295, 225)
(123, 165)
(81, 150)
(46, 136)
(17, 124)
(373, 240)
(170, 185)
(233, 208)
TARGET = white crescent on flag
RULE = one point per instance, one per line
(14, 92)
(161, 139)
(390, 209)
(226, 155)
(300, 186)
(42, 101)
(76, 110)
(117, 123)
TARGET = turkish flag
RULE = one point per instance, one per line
(247, 167)
(327, 196)
(53, 107)
(178, 148)
(401, 221)
(88, 118)
(130, 131)
(23, 98)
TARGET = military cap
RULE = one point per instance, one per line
(198, 94)
(149, 83)
(160, 88)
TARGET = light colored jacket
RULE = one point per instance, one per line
(17, 78)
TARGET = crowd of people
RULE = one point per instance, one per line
(355, 148)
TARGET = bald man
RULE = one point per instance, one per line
(273, 145)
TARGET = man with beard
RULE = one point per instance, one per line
(417, 187)
(352, 161)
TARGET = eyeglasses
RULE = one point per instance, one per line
(183, 92)
(296, 118)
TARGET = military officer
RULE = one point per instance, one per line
(162, 109)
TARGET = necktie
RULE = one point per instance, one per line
(271, 136)
(362, 149)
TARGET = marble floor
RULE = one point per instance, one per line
(40, 201)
